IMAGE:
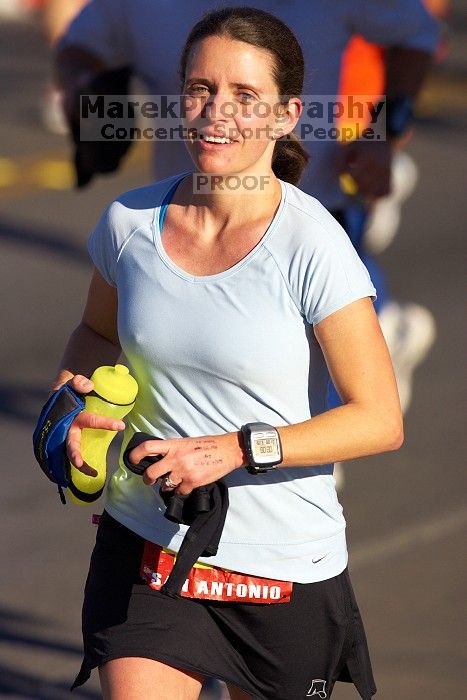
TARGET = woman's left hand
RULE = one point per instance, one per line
(190, 462)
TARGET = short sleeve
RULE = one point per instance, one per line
(394, 23)
(334, 275)
(100, 28)
(103, 246)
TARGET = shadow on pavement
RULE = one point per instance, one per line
(17, 629)
(43, 239)
(21, 402)
(28, 686)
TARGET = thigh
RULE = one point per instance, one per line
(133, 678)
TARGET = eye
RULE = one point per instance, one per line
(199, 90)
(246, 97)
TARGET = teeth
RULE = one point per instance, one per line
(217, 139)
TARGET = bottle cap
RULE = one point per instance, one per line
(115, 384)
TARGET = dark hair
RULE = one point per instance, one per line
(265, 31)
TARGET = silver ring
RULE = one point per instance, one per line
(168, 483)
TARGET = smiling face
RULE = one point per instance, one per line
(232, 107)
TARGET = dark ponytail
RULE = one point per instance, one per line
(289, 159)
(265, 31)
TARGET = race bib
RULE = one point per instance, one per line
(212, 583)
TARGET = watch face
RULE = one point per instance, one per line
(265, 446)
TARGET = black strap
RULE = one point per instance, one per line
(204, 510)
(201, 539)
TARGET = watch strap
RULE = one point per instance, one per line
(246, 430)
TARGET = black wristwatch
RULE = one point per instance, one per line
(262, 446)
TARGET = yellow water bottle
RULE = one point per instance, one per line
(114, 396)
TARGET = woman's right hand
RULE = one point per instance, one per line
(84, 419)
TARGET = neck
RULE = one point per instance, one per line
(219, 202)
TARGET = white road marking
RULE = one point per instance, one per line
(404, 539)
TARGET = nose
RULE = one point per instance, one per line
(218, 107)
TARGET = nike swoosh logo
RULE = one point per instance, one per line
(315, 561)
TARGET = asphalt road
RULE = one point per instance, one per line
(407, 512)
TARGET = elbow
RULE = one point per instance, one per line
(397, 439)
(393, 435)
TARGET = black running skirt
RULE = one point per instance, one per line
(283, 651)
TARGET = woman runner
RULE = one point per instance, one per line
(234, 296)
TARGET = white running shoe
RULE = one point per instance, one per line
(385, 215)
(410, 331)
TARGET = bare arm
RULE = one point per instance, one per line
(93, 343)
(74, 69)
(370, 420)
(369, 162)
(57, 15)
(74, 64)
(406, 70)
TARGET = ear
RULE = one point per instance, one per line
(287, 116)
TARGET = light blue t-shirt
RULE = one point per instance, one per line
(211, 353)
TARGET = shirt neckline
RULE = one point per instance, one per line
(180, 272)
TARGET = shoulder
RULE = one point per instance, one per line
(134, 208)
(316, 258)
(130, 212)
(305, 224)
(302, 204)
